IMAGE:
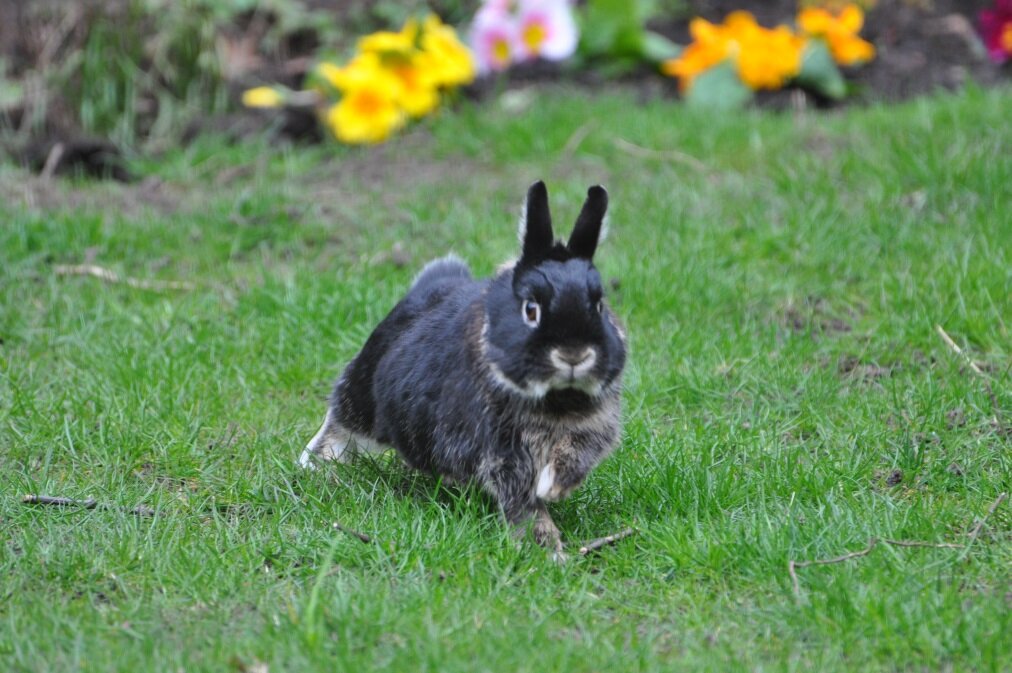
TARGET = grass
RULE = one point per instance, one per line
(785, 371)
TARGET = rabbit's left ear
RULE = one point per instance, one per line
(590, 224)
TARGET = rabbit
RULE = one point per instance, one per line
(512, 382)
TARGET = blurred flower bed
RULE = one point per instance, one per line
(146, 74)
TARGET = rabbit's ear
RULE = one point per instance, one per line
(589, 225)
(536, 235)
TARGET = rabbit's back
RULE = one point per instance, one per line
(426, 397)
(395, 389)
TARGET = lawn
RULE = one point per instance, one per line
(788, 397)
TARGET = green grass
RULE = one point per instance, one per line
(781, 300)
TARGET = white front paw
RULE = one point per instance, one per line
(306, 460)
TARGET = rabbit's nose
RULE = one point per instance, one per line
(573, 357)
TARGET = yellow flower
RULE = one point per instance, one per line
(384, 42)
(418, 93)
(709, 47)
(369, 109)
(393, 76)
(840, 31)
(262, 96)
(330, 73)
(450, 62)
(763, 58)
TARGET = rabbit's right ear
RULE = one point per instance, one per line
(589, 225)
(536, 235)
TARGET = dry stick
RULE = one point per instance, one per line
(980, 524)
(575, 140)
(113, 277)
(52, 161)
(959, 351)
(32, 499)
(977, 370)
(594, 545)
(918, 543)
(59, 502)
(792, 565)
(344, 529)
(670, 155)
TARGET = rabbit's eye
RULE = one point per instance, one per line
(600, 306)
(532, 313)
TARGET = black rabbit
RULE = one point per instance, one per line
(513, 381)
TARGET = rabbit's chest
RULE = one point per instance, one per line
(563, 453)
(547, 444)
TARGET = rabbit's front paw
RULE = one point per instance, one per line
(546, 533)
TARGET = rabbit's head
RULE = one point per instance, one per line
(547, 327)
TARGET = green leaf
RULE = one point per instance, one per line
(719, 88)
(819, 72)
(657, 48)
(602, 22)
(615, 29)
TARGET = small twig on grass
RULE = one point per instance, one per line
(52, 161)
(957, 350)
(594, 545)
(354, 533)
(663, 155)
(919, 543)
(793, 565)
(59, 502)
(976, 370)
(32, 499)
(113, 277)
(980, 524)
(576, 139)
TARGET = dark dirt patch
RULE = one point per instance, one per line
(956, 418)
(291, 125)
(37, 193)
(813, 315)
(76, 156)
(852, 366)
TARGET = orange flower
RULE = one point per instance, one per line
(764, 58)
(767, 58)
(839, 30)
(710, 46)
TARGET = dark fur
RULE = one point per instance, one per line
(429, 380)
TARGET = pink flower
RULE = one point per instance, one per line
(512, 31)
(494, 37)
(546, 29)
(996, 29)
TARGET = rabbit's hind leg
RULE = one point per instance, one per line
(334, 442)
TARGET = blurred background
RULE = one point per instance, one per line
(104, 77)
